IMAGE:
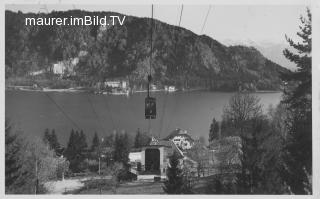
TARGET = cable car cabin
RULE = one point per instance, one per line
(150, 108)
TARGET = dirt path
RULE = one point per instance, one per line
(62, 186)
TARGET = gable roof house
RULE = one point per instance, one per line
(153, 159)
(181, 138)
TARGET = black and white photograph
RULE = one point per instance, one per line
(158, 99)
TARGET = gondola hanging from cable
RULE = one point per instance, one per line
(150, 102)
(150, 108)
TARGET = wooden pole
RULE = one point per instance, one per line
(36, 184)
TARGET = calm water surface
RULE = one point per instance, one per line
(32, 112)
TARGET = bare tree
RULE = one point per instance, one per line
(241, 108)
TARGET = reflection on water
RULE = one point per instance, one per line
(33, 112)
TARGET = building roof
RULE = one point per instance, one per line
(178, 132)
(166, 143)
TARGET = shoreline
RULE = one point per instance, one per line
(82, 89)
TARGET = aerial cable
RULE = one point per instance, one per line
(54, 102)
(166, 95)
(175, 51)
(205, 20)
(150, 102)
(151, 32)
(203, 26)
(96, 114)
(163, 113)
(180, 15)
(192, 59)
(63, 112)
(61, 109)
(109, 110)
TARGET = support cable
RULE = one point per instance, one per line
(175, 51)
(109, 110)
(192, 60)
(59, 108)
(96, 114)
(150, 75)
(205, 20)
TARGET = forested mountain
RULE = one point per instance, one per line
(180, 57)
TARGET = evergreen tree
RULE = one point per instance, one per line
(253, 142)
(76, 150)
(95, 142)
(297, 170)
(51, 140)
(214, 130)
(46, 136)
(141, 139)
(82, 140)
(137, 139)
(174, 183)
(12, 164)
(54, 141)
(121, 148)
(71, 150)
(71, 145)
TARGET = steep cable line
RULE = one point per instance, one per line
(166, 95)
(149, 77)
(193, 56)
(59, 107)
(96, 114)
(55, 103)
(175, 51)
(109, 110)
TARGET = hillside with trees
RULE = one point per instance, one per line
(180, 57)
(275, 152)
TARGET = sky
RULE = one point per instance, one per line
(254, 23)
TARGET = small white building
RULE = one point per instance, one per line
(135, 156)
(58, 68)
(181, 138)
(38, 72)
(65, 67)
(122, 84)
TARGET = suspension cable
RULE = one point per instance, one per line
(192, 59)
(62, 111)
(151, 32)
(205, 20)
(180, 15)
(59, 107)
(175, 51)
(96, 114)
(109, 110)
(53, 101)
(150, 64)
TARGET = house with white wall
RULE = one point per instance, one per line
(181, 138)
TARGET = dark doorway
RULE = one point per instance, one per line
(152, 163)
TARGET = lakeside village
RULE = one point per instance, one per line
(64, 71)
(122, 164)
(149, 161)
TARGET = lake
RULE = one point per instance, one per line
(33, 112)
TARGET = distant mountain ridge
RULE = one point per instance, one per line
(180, 57)
(271, 50)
